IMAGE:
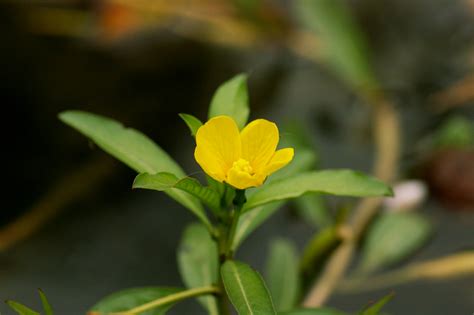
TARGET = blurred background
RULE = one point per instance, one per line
(70, 223)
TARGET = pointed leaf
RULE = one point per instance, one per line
(231, 99)
(283, 274)
(375, 308)
(345, 47)
(166, 181)
(334, 182)
(317, 248)
(127, 299)
(246, 289)
(132, 148)
(128, 145)
(48, 310)
(391, 238)
(198, 262)
(192, 122)
(21, 309)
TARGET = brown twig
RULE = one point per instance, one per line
(438, 269)
(387, 138)
(458, 94)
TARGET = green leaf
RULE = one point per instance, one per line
(165, 181)
(246, 289)
(343, 42)
(134, 149)
(129, 298)
(193, 123)
(457, 132)
(303, 161)
(231, 99)
(249, 221)
(375, 308)
(21, 309)
(128, 145)
(391, 238)
(317, 248)
(283, 274)
(48, 310)
(334, 182)
(312, 209)
(198, 262)
(313, 311)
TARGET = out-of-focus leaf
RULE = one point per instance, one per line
(166, 181)
(192, 122)
(393, 237)
(134, 149)
(129, 298)
(313, 311)
(231, 99)
(375, 308)
(312, 209)
(334, 182)
(198, 262)
(317, 247)
(283, 274)
(343, 42)
(21, 309)
(456, 132)
(249, 221)
(48, 310)
(246, 289)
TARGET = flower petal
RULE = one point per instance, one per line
(259, 141)
(279, 159)
(218, 145)
(243, 180)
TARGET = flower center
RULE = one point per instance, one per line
(243, 166)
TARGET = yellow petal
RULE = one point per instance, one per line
(218, 145)
(259, 141)
(239, 176)
(279, 159)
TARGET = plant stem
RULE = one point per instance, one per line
(386, 130)
(443, 268)
(170, 299)
(239, 201)
(223, 303)
(225, 241)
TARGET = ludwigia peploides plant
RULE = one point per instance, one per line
(248, 177)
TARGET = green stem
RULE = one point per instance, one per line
(223, 301)
(239, 201)
(170, 299)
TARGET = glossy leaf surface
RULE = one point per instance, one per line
(246, 289)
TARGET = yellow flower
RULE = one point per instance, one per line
(242, 159)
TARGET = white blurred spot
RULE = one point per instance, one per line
(409, 195)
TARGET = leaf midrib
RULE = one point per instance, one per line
(241, 287)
